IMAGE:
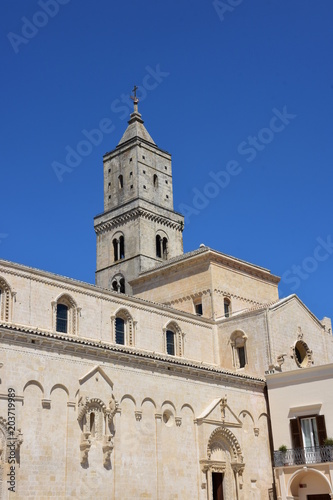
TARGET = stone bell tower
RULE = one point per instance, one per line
(139, 228)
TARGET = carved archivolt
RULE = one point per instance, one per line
(220, 436)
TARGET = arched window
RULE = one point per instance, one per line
(158, 246)
(165, 248)
(118, 244)
(120, 182)
(123, 329)
(62, 318)
(92, 427)
(118, 283)
(227, 308)
(173, 338)
(122, 285)
(120, 331)
(122, 247)
(155, 181)
(65, 315)
(170, 342)
(238, 343)
(5, 300)
(161, 247)
(115, 249)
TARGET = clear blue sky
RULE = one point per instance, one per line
(221, 76)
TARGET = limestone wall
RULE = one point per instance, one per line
(158, 441)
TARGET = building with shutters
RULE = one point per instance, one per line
(150, 383)
(301, 409)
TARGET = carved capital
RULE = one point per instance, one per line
(138, 415)
(178, 421)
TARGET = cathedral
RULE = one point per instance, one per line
(151, 384)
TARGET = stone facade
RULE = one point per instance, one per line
(156, 393)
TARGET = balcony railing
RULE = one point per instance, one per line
(300, 456)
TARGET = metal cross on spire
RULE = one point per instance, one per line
(135, 99)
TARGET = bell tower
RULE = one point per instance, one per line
(139, 228)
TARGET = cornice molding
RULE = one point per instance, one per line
(89, 290)
(229, 294)
(124, 354)
(133, 214)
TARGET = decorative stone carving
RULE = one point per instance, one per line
(256, 431)
(107, 449)
(178, 421)
(95, 419)
(85, 446)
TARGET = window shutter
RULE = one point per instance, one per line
(321, 429)
(296, 433)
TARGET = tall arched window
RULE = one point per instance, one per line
(120, 331)
(165, 248)
(65, 315)
(123, 329)
(227, 308)
(158, 246)
(155, 181)
(5, 300)
(115, 249)
(120, 182)
(238, 343)
(118, 244)
(122, 247)
(92, 426)
(173, 338)
(62, 318)
(170, 342)
(161, 247)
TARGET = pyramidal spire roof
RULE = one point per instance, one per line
(135, 127)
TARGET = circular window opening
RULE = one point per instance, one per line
(168, 418)
(301, 354)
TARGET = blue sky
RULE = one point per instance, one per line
(240, 93)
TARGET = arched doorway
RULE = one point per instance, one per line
(224, 466)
